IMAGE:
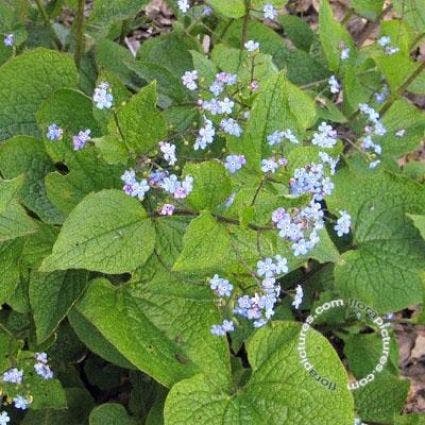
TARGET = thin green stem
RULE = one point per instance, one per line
(245, 24)
(79, 33)
(370, 26)
(124, 30)
(416, 41)
(400, 91)
(46, 20)
(220, 218)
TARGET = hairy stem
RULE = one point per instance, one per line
(79, 33)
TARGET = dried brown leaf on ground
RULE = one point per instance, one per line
(411, 340)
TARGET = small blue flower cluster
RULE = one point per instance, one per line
(385, 43)
(42, 367)
(55, 133)
(15, 376)
(9, 40)
(159, 179)
(299, 226)
(311, 179)
(102, 96)
(374, 128)
(258, 308)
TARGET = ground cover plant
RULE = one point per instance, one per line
(221, 222)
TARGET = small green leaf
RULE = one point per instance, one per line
(419, 222)
(79, 403)
(14, 223)
(279, 106)
(333, 36)
(105, 13)
(9, 191)
(10, 261)
(23, 154)
(369, 399)
(107, 232)
(370, 9)
(69, 109)
(413, 12)
(94, 340)
(52, 295)
(110, 414)
(170, 51)
(402, 116)
(206, 246)
(234, 9)
(47, 394)
(212, 185)
(298, 31)
(139, 123)
(87, 173)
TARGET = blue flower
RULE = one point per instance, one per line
(234, 163)
(54, 132)
(102, 96)
(221, 286)
(9, 40)
(343, 224)
(221, 330)
(13, 376)
(21, 402)
(4, 418)
(80, 140)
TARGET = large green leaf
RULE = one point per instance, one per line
(161, 326)
(52, 295)
(279, 390)
(25, 82)
(384, 269)
(107, 232)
